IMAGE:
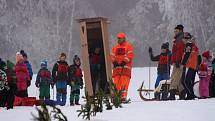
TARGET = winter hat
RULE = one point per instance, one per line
(44, 64)
(3, 65)
(10, 65)
(180, 27)
(19, 57)
(206, 54)
(165, 45)
(202, 67)
(76, 58)
(121, 35)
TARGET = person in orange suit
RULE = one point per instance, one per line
(122, 58)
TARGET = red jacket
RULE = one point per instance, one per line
(22, 76)
(177, 51)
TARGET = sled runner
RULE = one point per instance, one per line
(162, 88)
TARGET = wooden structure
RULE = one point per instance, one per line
(94, 33)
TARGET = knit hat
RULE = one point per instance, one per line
(44, 64)
(19, 57)
(76, 58)
(206, 54)
(121, 35)
(180, 27)
(165, 45)
(202, 67)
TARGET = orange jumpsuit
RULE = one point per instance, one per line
(122, 75)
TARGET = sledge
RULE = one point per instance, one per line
(143, 93)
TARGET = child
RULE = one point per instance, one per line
(203, 82)
(22, 76)
(212, 81)
(3, 83)
(11, 78)
(76, 81)
(60, 76)
(163, 68)
(43, 81)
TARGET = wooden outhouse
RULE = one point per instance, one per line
(94, 34)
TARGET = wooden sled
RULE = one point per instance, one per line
(144, 92)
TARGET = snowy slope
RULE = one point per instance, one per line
(196, 110)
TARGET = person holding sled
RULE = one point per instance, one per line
(44, 81)
(76, 81)
(4, 88)
(60, 76)
(190, 63)
(122, 59)
(177, 54)
(22, 76)
(163, 68)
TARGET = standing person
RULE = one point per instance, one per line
(76, 81)
(177, 53)
(22, 76)
(11, 77)
(96, 66)
(204, 84)
(122, 59)
(43, 81)
(163, 67)
(60, 76)
(3, 83)
(212, 81)
(190, 63)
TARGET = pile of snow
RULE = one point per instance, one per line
(138, 110)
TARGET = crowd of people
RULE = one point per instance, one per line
(187, 62)
(184, 57)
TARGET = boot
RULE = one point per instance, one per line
(157, 95)
(77, 102)
(172, 94)
(71, 104)
(182, 95)
(164, 95)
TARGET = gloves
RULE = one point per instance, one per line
(177, 65)
(81, 87)
(28, 83)
(123, 63)
(150, 50)
(115, 64)
(37, 85)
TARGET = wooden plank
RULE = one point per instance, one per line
(106, 49)
(85, 56)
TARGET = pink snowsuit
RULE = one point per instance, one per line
(22, 76)
(203, 83)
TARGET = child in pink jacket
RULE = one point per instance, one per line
(203, 82)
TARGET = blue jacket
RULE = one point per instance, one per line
(27, 63)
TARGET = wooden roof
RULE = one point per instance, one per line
(92, 19)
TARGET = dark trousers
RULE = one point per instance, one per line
(188, 78)
(11, 96)
(3, 97)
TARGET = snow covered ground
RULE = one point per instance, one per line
(195, 110)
